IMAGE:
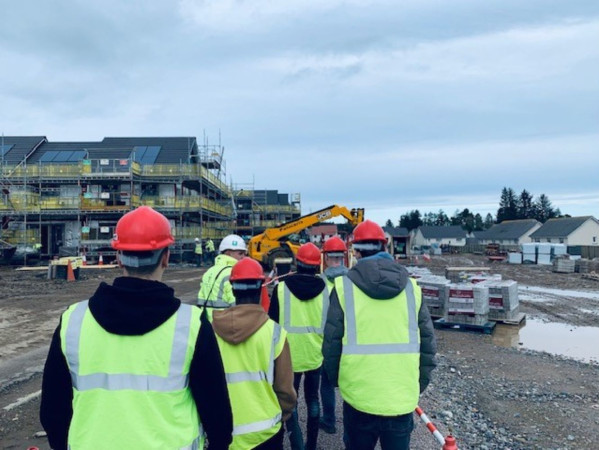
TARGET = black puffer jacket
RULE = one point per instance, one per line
(380, 278)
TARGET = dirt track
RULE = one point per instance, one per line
(489, 396)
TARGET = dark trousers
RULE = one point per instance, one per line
(275, 442)
(198, 260)
(363, 430)
(327, 397)
(311, 384)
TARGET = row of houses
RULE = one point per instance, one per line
(56, 195)
(571, 231)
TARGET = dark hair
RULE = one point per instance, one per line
(247, 296)
(307, 268)
(366, 253)
(143, 270)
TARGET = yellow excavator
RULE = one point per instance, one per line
(280, 242)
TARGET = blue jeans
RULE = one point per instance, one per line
(327, 397)
(363, 430)
(311, 384)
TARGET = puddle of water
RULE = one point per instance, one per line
(555, 338)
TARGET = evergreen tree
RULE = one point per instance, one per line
(525, 205)
(508, 208)
(441, 219)
(411, 220)
(389, 223)
(489, 221)
(544, 210)
(478, 222)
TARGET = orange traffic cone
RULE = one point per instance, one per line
(101, 260)
(70, 273)
(450, 443)
(264, 299)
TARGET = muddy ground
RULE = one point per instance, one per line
(488, 395)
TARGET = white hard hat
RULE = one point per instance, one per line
(232, 242)
(197, 239)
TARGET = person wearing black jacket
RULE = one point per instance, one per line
(299, 304)
(132, 316)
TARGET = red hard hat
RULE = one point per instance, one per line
(142, 229)
(334, 244)
(309, 254)
(369, 231)
(247, 269)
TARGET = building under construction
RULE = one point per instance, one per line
(256, 210)
(66, 197)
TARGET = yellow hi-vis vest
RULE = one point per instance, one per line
(249, 368)
(131, 391)
(379, 369)
(304, 322)
(198, 249)
(216, 291)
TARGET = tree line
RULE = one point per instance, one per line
(511, 207)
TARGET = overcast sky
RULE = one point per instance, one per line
(385, 105)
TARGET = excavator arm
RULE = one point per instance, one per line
(267, 246)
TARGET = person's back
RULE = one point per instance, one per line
(215, 289)
(257, 363)
(379, 345)
(300, 305)
(129, 368)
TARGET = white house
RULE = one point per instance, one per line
(427, 235)
(569, 230)
(509, 232)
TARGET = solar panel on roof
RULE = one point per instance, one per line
(139, 152)
(77, 155)
(48, 156)
(4, 149)
(150, 155)
(62, 156)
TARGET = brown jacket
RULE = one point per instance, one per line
(236, 325)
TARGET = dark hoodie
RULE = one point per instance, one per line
(133, 307)
(303, 286)
(382, 279)
(237, 324)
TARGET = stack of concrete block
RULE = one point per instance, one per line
(434, 293)
(514, 258)
(586, 265)
(544, 253)
(479, 277)
(467, 303)
(503, 299)
(564, 265)
(418, 272)
(529, 253)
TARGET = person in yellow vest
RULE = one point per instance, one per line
(210, 251)
(300, 304)
(334, 252)
(379, 345)
(198, 252)
(257, 363)
(215, 289)
(133, 367)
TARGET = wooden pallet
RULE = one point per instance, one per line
(487, 328)
(591, 276)
(520, 317)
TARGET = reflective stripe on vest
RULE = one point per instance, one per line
(239, 377)
(257, 426)
(114, 382)
(304, 330)
(353, 348)
(219, 302)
